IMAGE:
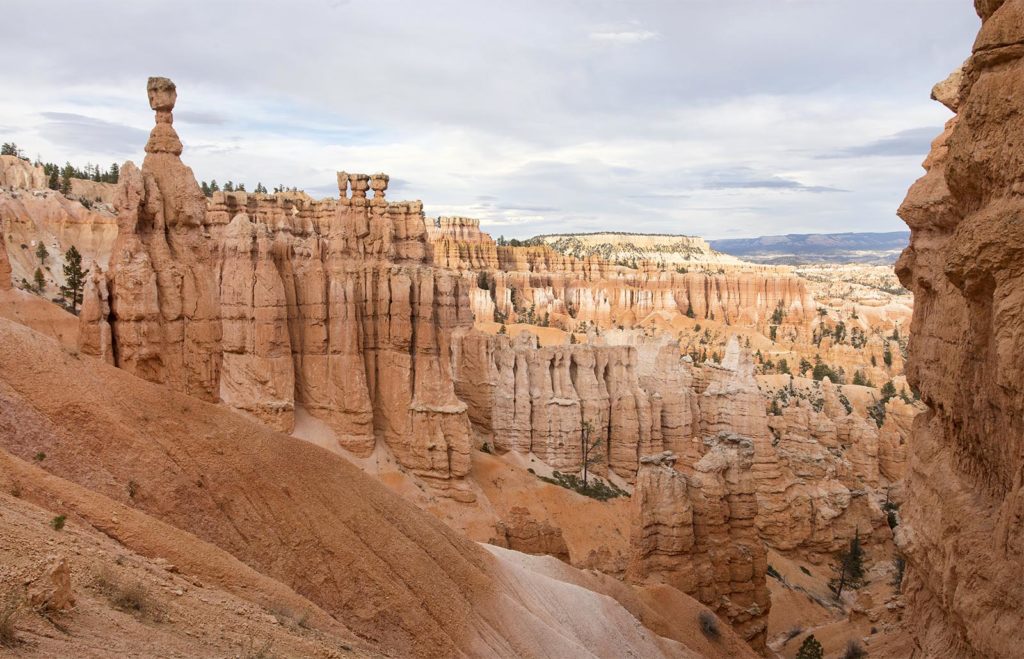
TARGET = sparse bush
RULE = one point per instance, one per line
(288, 617)
(810, 649)
(854, 650)
(900, 564)
(594, 489)
(709, 625)
(486, 448)
(10, 609)
(58, 522)
(40, 456)
(130, 597)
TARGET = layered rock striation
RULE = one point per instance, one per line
(272, 303)
(964, 518)
(527, 284)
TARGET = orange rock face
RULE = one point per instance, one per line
(964, 531)
(697, 533)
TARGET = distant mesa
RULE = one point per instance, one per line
(800, 248)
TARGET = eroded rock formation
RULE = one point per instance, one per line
(964, 530)
(697, 533)
(165, 306)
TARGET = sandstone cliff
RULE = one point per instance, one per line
(964, 534)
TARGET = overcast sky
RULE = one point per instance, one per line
(721, 118)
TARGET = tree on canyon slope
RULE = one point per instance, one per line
(592, 453)
(811, 649)
(74, 279)
(849, 568)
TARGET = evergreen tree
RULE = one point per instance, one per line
(810, 649)
(41, 253)
(503, 330)
(40, 281)
(591, 450)
(213, 186)
(10, 149)
(572, 339)
(229, 187)
(114, 174)
(74, 279)
(849, 568)
(206, 189)
(54, 181)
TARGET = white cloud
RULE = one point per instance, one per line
(532, 125)
(624, 36)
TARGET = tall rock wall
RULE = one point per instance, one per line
(275, 302)
(569, 290)
(697, 533)
(964, 519)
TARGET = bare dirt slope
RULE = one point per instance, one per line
(289, 511)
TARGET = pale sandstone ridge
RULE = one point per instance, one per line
(19, 174)
(667, 249)
(964, 530)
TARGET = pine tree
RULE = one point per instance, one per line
(810, 649)
(213, 186)
(40, 281)
(572, 339)
(503, 330)
(206, 189)
(229, 187)
(74, 279)
(41, 253)
(54, 182)
(849, 568)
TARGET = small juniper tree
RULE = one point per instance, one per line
(810, 649)
(74, 279)
(849, 568)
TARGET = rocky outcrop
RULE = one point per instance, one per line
(527, 284)
(963, 530)
(521, 532)
(18, 174)
(275, 302)
(93, 191)
(5, 265)
(532, 399)
(51, 591)
(165, 306)
(257, 373)
(94, 335)
(697, 533)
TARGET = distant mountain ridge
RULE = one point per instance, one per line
(796, 248)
